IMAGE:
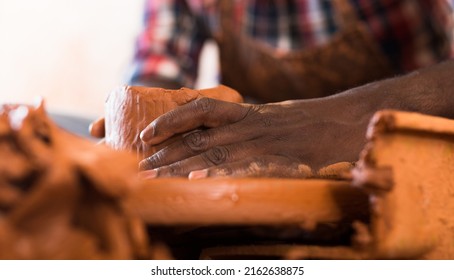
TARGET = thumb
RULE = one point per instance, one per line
(97, 128)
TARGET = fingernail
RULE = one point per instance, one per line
(149, 174)
(199, 174)
(147, 134)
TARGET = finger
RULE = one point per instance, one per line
(170, 141)
(148, 174)
(195, 143)
(167, 154)
(97, 128)
(212, 157)
(261, 166)
(198, 113)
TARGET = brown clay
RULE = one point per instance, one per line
(338, 170)
(247, 201)
(61, 195)
(130, 109)
(407, 167)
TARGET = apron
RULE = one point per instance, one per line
(349, 59)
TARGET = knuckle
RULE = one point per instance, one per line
(216, 156)
(196, 141)
(205, 105)
(169, 119)
(174, 169)
(257, 109)
(146, 163)
(151, 162)
(156, 159)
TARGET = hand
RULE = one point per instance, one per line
(97, 128)
(231, 139)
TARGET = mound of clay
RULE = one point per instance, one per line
(60, 195)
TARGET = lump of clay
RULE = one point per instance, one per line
(60, 195)
(129, 109)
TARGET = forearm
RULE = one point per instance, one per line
(429, 91)
(341, 120)
(315, 132)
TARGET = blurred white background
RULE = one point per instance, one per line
(71, 52)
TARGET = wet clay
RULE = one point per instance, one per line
(60, 195)
(129, 109)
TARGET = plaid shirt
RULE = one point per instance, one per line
(409, 32)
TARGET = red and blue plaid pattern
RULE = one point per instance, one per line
(411, 33)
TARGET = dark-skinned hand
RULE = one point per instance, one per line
(279, 139)
(244, 140)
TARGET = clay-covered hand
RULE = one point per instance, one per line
(219, 138)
